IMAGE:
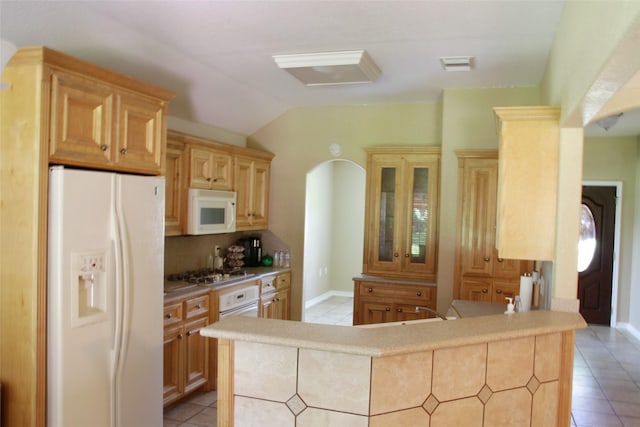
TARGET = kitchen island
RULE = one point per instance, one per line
(490, 370)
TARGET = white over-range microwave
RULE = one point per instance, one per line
(211, 212)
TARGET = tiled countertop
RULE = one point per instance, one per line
(391, 340)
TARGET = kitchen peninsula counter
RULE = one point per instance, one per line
(455, 372)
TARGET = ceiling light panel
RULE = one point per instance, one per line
(330, 68)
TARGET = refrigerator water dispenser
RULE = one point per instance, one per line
(89, 294)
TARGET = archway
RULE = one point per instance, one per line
(334, 231)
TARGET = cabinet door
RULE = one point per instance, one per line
(242, 185)
(173, 364)
(174, 214)
(82, 118)
(384, 224)
(282, 304)
(476, 290)
(503, 289)
(140, 136)
(197, 355)
(419, 236)
(477, 235)
(375, 312)
(260, 195)
(404, 312)
(251, 182)
(210, 169)
(506, 268)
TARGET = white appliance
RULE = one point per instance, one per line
(211, 212)
(105, 299)
(241, 302)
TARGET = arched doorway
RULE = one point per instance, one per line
(334, 233)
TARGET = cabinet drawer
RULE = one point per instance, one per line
(275, 283)
(172, 314)
(283, 280)
(397, 292)
(197, 306)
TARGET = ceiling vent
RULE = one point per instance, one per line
(330, 68)
(456, 63)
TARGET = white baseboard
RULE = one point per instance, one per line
(326, 296)
(629, 328)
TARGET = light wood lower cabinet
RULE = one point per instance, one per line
(275, 292)
(381, 302)
(186, 352)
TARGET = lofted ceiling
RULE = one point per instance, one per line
(217, 55)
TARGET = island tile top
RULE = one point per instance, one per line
(391, 340)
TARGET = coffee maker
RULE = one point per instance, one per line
(252, 251)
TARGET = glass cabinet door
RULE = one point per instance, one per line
(421, 190)
(387, 214)
(400, 234)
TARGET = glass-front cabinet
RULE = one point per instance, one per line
(401, 216)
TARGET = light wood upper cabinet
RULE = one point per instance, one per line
(251, 183)
(175, 213)
(99, 125)
(529, 139)
(480, 273)
(402, 212)
(210, 169)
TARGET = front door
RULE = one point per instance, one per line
(595, 281)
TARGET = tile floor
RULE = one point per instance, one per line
(606, 385)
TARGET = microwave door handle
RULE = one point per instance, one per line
(231, 212)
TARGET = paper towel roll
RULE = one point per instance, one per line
(526, 292)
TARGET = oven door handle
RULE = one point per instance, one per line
(253, 306)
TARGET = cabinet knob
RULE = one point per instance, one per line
(498, 291)
(406, 255)
(485, 290)
(209, 179)
(399, 310)
(168, 316)
(123, 151)
(396, 255)
(486, 259)
(500, 259)
(369, 290)
(419, 294)
(388, 309)
(179, 336)
(104, 147)
(198, 307)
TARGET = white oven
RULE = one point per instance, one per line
(241, 302)
(211, 212)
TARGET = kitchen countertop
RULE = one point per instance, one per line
(190, 290)
(393, 340)
(367, 278)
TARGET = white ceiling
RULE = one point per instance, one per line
(217, 55)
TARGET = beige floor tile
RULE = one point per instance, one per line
(623, 396)
(182, 412)
(626, 409)
(588, 404)
(206, 418)
(630, 422)
(592, 419)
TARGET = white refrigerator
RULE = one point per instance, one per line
(105, 299)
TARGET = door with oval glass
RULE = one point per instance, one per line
(595, 258)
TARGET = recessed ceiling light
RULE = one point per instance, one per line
(456, 63)
(330, 68)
